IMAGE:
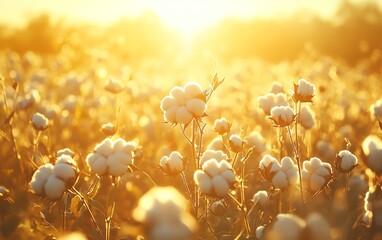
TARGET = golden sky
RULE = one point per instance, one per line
(185, 16)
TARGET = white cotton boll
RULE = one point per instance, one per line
(224, 165)
(266, 161)
(305, 88)
(255, 139)
(203, 181)
(64, 171)
(275, 166)
(211, 167)
(260, 232)
(220, 186)
(216, 144)
(282, 115)
(280, 180)
(39, 178)
(287, 227)
(196, 106)
(292, 175)
(316, 182)
(281, 100)
(221, 125)
(348, 160)
(123, 157)
(315, 162)
(167, 103)
(105, 148)
(179, 95)
(183, 115)
(116, 164)
(208, 154)
(260, 198)
(286, 163)
(328, 167)
(173, 164)
(40, 122)
(322, 171)
(118, 145)
(318, 227)
(367, 218)
(54, 187)
(170, 114)
(113, 86)
(65, 151)
(99, 165)
(267, 102)
(277, 87)
(307, 118)
(192, 90)
(90, 159)
(236, 143)
(376, 110)
(372, 148)
(66, 159)
(229, 176)
(129, 147)
(325, 150)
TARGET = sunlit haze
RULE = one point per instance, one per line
(187, 17)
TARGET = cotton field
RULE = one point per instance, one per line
(96, 144)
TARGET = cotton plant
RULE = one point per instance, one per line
(316, 174)
(112, 157)
(280, 175)
(260, 198)
(236, 143)
(40, 122)
(270, 100)
(173, 164)
(282, 116)
(52, 181)
(184, 104)
(215, 178)
(163, 214)
(345, 161)
(222, 126)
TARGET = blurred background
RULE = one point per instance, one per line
(173, 30)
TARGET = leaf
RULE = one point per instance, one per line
(75, 206)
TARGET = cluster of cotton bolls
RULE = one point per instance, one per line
(373, 206)
(292, 227)
(303, 91)
(282, 116)
(315, 174)
(280, 175)
(163, 213)
(172, 164)
(184, 104)
(52, 181)
(112, 157)
(271, 100)
(372, 149)
(215, 178)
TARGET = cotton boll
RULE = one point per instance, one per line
(322, 171)
(183, 116)
(99, 165)
(39, 178)
(216, 144)
(129, 147)
(281, 100)
(224, 165)
(192, 90)
(267, 102)
(54, 187)
(220, 186)
(260, 232)
(316, 182)
(179, 95)
(306, 118)
(173, 164)
(118, 145)
(372, 148)
(208, 154)
(319, 228)
(347, 160)
(221, 126)
(305, 88)
(211, 167)
(170, 114)
(123, 157)
(203, 181)
(287, 227)
(218, 208)
(280, 180)
(113, 86)
(256, 140)
(40, 122)
(286, 163)
(105, 148)
(196, 106)
(229, 176)
(315, 162)
(167, 103)
(116, 164)
(292, 175)
(260, 198)
(236, 143)
(376, 110)
(282, 116)
(64, 171)
(65, 151)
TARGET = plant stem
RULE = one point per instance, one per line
(109, 214)
(65, 212)
(297, 158)
(183, 175)
(89, 210)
